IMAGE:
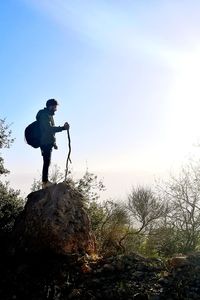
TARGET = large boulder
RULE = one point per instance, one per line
(54, 220)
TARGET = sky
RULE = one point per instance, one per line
(126, 76)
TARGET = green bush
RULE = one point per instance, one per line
(10, 207)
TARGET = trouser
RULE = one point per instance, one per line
(46, 151)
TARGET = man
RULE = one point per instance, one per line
(47, 136)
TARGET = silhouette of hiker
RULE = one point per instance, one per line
(47, 136)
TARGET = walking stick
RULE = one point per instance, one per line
(68, 156)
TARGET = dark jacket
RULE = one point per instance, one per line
(47, 127)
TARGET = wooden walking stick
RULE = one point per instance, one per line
(68, 156)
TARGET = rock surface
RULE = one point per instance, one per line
(123, 277)
(54, 220)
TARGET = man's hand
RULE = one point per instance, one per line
(66, 126)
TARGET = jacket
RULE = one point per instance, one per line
(47, 127)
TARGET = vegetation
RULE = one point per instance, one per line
(154, 223)
(5, 142)
(11, 204)
(157, 222)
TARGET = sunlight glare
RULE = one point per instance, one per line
(184, 129)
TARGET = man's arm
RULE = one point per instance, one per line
(46, 124)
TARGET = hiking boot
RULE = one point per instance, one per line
(46, 184)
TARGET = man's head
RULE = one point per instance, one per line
(51, 105)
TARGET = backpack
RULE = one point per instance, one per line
(32, 134)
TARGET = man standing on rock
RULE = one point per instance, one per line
(47, 136)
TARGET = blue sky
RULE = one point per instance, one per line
(126, 75)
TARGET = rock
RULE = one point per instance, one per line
(54, 220)
(163, 281)
(140, 296)
(138, 275)
(108, 268)
(177, 262)
(86, 268)
(119, 266)
(74, 294)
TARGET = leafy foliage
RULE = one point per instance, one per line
(182, 193)
(144, 207)
(10, 202)
(90, 186)
(10, 207)
(114, 227)
(5, 142)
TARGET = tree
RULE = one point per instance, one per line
(5, 142)
(182, 192)
(136, 218)
(112, 228)
(90, 186)
(10, 207)
(161, 241)
(144, 208)
(11, 203)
